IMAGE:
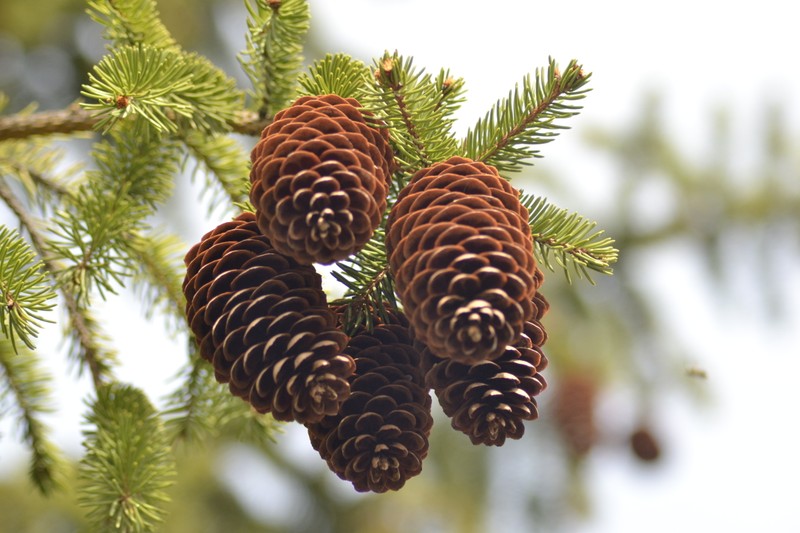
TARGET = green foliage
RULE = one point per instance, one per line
(417, 108)
(335, 74)
(272, 58)
(88, 344)
(128, 463)
(223, 162)
(570, 238)
(169, 89)
(369, 284)
(24, 291)
(134, 176)
(160, 274)
(509, 133)
(25, 381)
(202, 410)
(32, 163)
(130, 22)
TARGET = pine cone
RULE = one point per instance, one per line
(461, 253)
(644, 445)
(573, 412)
(263, 321)
(490, 400)
(380, 436)
(320, 176)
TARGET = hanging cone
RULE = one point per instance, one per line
(263, 321)
(490, 400)
(320, 176)
(461, 253)
(644, 445)
(573, 412)
(380, 436)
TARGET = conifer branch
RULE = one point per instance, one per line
(88, 341)
(128, 463)
(134, 176)
(369, 285)
(160, 276)
(171, 90)
(75, 119)
(224, 159)
(417, 109)
(390, 75)
(131, 22)
(30, 387)
(272, 58)
(571, 238)
(22, 125)
(24, 292)
(83, 329)
(335, 74)
(202, 409)
(32, 163)
(507, 135)
(187, 416)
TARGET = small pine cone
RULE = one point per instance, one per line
(320, 175)
(490, 400)
(573, 412)
(461, 253)
(263, 321)
(380, 436)
(644, 445)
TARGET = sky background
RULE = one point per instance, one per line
(731, 465)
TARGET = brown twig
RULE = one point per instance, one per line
(75, 119)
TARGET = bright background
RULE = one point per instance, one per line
(730, 461)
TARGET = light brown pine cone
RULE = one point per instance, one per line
(461, 253)
(320, 174)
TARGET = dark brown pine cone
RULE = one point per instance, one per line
(490, 400)
(644, 445)
(320, 176)
(380, 436)
(263, 321)
(461, 253)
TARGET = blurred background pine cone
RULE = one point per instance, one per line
(573, 406)
(645, 445)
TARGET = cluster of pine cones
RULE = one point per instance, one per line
(460, 251)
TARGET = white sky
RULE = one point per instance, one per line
(732, 468)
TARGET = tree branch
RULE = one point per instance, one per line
(77, 319)
(74, 119)
(531, 117)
